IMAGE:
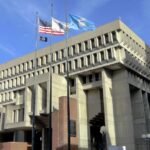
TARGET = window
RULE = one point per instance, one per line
(84, 80)
(21, 114)
(106, 38)
(96, 76)
(80, 47)
(76, 64)
(90, 78)
(109, 54)
(69, 65)
(88, 60)
(62, 53)
(72, 128)
(102, 56)
(86, 45)
(64, 66)
(99, 40)
(95, 58)
(74, 49)
(93, 43)
(72, 82)
(114, 36)
(56, 55)
(59, 68)
(82, 62)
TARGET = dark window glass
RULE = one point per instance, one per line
(80, 47)
(58, 68)
(72, 82)
(90, 78)
(62, 53)
(82, 62)
(74, 49)
(95, 58)
(56, 55)
(76, 64)
(86, 45)
(93, 43)
(102, 56)
(99, 40)
(84, 79)
(114, 36)
(88, 60)
(96, 76)
(106, 38)
(109, 54)
(73, 128)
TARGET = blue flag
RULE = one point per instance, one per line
(80, 23)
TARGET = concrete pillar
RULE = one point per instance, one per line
(123, 110)
(108, 107)
(38, 99)
(28, 104)
(82, 115)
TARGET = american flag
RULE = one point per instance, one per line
(46, 28)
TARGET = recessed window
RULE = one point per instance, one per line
(114, 36)
(109, 54)
(96, 76)
(88, 60)
(99, 40)
(72, 128)
(90, 78)
(80, 47)
(102, 56)
(106, 38)
(93, 43)
(76, 64)
(84, 80)
(82, 62)
(86, 45)
(95, 58)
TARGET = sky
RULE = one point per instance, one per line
(18, 20)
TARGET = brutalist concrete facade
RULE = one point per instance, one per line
(109, 71)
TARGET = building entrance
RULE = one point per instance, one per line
(97, 132)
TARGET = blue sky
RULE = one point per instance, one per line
(18, 27)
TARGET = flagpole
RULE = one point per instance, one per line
(67, 76)
(50, 96)
(34, 87)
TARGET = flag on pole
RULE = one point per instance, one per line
(80, 23)
(43, 39)
(58, 27)
(44, 27)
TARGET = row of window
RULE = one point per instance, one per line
(78, 63)
(91, 78)
(84, 46)
(136, 48)
(145, 83)
(59, 55)
(85, 61)
(18, 115)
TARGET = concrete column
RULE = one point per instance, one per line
(82, 115)
(108, 107)
(27, 104)
(138, 112)
(38, 99)
(123, 110)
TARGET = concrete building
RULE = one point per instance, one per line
(109, 71)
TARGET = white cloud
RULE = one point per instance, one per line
(86, 7)
(7, 50)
